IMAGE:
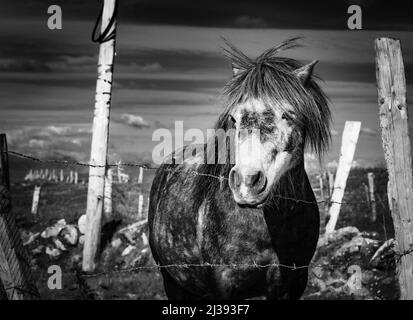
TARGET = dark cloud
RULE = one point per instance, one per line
(23, 65)
(250, 22)
(321, 14)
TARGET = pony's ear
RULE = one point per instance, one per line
(305, 72)
(235, 69)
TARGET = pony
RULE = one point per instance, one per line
(247, 226)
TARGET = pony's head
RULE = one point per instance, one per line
(276, 109)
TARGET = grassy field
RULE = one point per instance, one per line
(68, 201)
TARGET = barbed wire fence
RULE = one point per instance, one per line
(83, 277)
(221, 178)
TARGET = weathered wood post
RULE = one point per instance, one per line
(15, 273)
(320, 179)
(62, 177)
(35, 203)
(140, 206)
(140, 177)
(391, 87)
(370, 177)
(100, 136)
(330, 182)
(324, 204)
(348, 147)
(107, 207)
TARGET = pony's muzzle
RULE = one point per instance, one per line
(247, 185)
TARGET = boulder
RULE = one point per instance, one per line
(384, 255)
(29, 237)
(70, 235)
(82, 239)
(81, 223)
(53, 253)
(59, 245)
(54, 230)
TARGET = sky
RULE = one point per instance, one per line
(170, 67)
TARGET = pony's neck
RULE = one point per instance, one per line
(292, 182)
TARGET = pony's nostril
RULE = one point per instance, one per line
(255, 181)
(262, 182)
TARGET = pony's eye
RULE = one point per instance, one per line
(286, 116)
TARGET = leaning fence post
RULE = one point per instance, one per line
(100, 135)
(370, 177)
(391, 87)
(15, 270)
(36, 197)
(348, 147)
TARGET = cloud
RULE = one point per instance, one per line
(74, 63)
(134, 121)
(250, 22)
(51, 141)
(22, 65)
(151, 67)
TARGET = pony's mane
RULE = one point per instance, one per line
(272, 79)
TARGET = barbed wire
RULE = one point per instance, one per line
(197, 265)
(148, 167)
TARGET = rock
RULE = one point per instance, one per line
(145, 240)
(128, 250)
(339, 235)
(116, 243)
(383, 254)
(70, 234)
(82, 225)
(132, 231)
(59, 245)
(29, 237)
(82, 240)
(54, 230)
(134, 257)
(356, 244)
(53, 253)
(38, 250)
(75, 260)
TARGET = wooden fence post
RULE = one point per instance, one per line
(330, 182)
(107, 207)
(100, 136)
(36, 198)
(370, 177)
(391, 87)
(140, 206)
(140, 178)
(15, 271)
(348, 147)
